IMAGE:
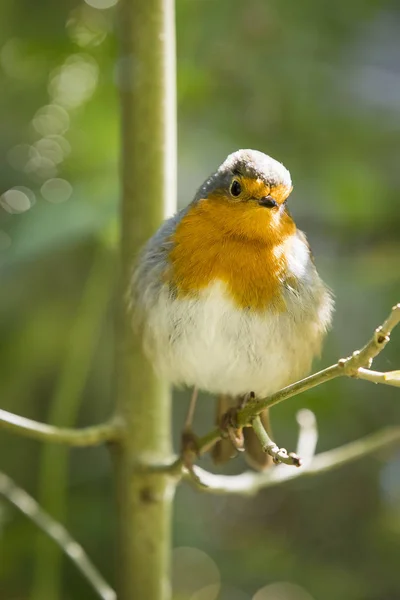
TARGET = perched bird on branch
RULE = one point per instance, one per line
(226, 293)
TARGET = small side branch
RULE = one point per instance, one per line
(249, 483)
(389, 378)
(381, 336)
(87, 436)
(279, 455)
(29, 507)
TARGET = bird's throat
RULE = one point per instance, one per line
(241, 246)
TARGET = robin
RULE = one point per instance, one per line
(226, 293)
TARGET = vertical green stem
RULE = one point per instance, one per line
(147, 88)
(53, 476)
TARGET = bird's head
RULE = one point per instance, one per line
(249, 192)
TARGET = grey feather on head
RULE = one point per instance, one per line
(246, 163)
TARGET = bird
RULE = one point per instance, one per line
(226, 295)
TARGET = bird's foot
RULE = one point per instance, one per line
(229, 428)
(189, 447)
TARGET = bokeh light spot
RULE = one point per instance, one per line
(56, 190)
(51, 119)
(51, 149)
(17, 200)
(87, 27)
(282, 591)
(210, 592)
(62, 142)
(193, 571)
(75, 81)
(101, 4)
(25, 190)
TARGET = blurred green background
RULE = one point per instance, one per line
(315, 85)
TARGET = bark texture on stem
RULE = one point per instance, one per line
(147, 91)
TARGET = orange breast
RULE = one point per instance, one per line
(236, 243)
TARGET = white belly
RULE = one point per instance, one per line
(209, 343)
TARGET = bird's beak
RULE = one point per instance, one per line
(267, 202)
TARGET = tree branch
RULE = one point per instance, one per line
(279, 455)
(389, 378)
(356, 366)
(87, 436)
(306, 443)
(148, 153)
(249, 483)
(27, 505)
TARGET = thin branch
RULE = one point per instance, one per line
(355, 366)
(389, 378)
(255, 408)
(87, 436)
(252, 409)
(279, 455)
(249, 483)
(27, 505)
(306, 443)
(377, 343)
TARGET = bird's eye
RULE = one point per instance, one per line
(236, 188)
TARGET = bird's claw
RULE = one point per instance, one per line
(189, 447)
(229, 429)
